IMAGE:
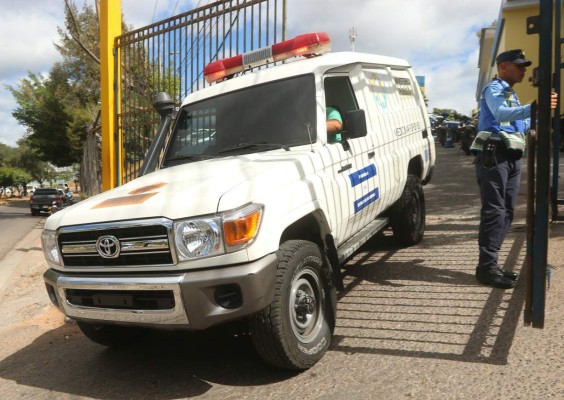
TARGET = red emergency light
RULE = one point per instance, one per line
(306, 45)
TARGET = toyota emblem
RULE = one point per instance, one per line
(108, 246)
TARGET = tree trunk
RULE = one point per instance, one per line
(90, 167)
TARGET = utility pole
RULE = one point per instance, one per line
(352, 37)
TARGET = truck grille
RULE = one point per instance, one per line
(135, 243)
(122, 299)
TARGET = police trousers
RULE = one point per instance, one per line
(499, 188)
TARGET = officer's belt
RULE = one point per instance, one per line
(511, 140)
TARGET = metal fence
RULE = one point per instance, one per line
(170, 56)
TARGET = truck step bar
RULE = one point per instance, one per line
(353, 244)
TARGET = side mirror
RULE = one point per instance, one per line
(355, 124)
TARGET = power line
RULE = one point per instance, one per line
(154, 11)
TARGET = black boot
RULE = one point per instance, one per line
(510, 275)
(494, 277)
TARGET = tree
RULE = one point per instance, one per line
(14, 177)
(449, 114)
(58, 109)
(26, 158)
(5, 155)
(61, 110)
(42, 110)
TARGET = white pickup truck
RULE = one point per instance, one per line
(248, 207)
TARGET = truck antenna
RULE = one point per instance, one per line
(352, 37)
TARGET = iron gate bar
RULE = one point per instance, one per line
(555, 202)
(170, 56)
(246, 3)
(543, 78)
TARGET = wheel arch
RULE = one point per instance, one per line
(312, 227)
(415, 167)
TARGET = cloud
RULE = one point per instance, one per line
(29, 46)
(437, 37)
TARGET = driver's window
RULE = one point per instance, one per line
(339, 98)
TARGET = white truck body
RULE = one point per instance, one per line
(307, 190)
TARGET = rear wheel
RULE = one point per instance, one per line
(295, 331)
(408, 214)
(111, 335)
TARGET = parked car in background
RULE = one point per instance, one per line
(43, 199)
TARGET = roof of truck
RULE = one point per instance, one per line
(299, 66)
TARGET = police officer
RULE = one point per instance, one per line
(498, 147)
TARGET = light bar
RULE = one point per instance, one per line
(307, 45)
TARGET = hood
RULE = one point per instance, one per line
(182, 191)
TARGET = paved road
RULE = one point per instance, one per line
(15, 222)
(412, 324)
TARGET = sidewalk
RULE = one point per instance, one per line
(5, 201)
(27, 254)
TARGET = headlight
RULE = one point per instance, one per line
(206, 237)
(50, 247)
(198, 238)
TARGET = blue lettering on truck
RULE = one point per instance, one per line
(362, 175)
(366, 200)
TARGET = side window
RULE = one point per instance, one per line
(406, 89)
(383, 89)
(339, 97)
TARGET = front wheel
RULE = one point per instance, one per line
(408, 214)
(295, 331)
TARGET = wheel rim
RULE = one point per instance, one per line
(306, 305)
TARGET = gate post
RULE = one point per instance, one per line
(110, 28)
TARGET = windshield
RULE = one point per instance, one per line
(274, 115)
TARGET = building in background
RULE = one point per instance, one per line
(509, 32)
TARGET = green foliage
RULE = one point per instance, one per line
(451, 115)
(26, 158)
(42, 110)
(6, 153)
(57, 109)
(14, 177)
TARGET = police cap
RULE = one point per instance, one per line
(516, 56)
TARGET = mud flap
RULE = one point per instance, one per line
(333, 258)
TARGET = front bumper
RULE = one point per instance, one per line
(40, 207)
(189, 300)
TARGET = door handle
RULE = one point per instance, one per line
(345, 168)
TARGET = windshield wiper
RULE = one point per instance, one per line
(245, 145)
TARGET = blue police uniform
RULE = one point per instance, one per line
(501, 116)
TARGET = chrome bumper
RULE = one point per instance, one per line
(192, 295)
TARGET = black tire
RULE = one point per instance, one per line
(34, 213)
(295, 331)
(408, 214)
(111, 335)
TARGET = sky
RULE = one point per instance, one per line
(437, 37)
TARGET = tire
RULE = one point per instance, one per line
(407, 218)
(34, 213)
(111, 335)
(295, 331)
